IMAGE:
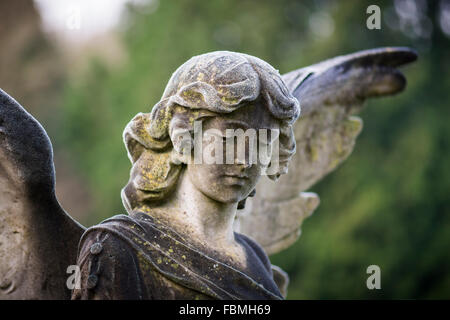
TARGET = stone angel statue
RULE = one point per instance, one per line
(191, 231)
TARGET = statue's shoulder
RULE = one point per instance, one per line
(105, 236)
(114, 225)
(255, 248)
(108, 268)
(105, 232)
(110, 236)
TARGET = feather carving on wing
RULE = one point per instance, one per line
(38, 240)
(330, 93)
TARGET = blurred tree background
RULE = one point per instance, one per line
(388, 204)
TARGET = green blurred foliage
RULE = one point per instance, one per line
(388, 204)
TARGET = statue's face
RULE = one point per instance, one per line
(232, 182)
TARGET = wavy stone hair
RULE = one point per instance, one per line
(204, 86)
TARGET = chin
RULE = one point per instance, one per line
(228, 194)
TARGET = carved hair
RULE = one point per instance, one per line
(204, 86)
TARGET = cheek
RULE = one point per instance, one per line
(203, 172)
(204, 177)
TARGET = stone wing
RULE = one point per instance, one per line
(38, 240)
(330, 93)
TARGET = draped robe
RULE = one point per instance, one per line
(137, 257)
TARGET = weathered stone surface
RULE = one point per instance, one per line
(178, 240)
(329, 93)
(280, 227)
(38, 240)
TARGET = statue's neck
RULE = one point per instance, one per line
(196, 216)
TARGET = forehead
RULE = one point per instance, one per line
(253, 115)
